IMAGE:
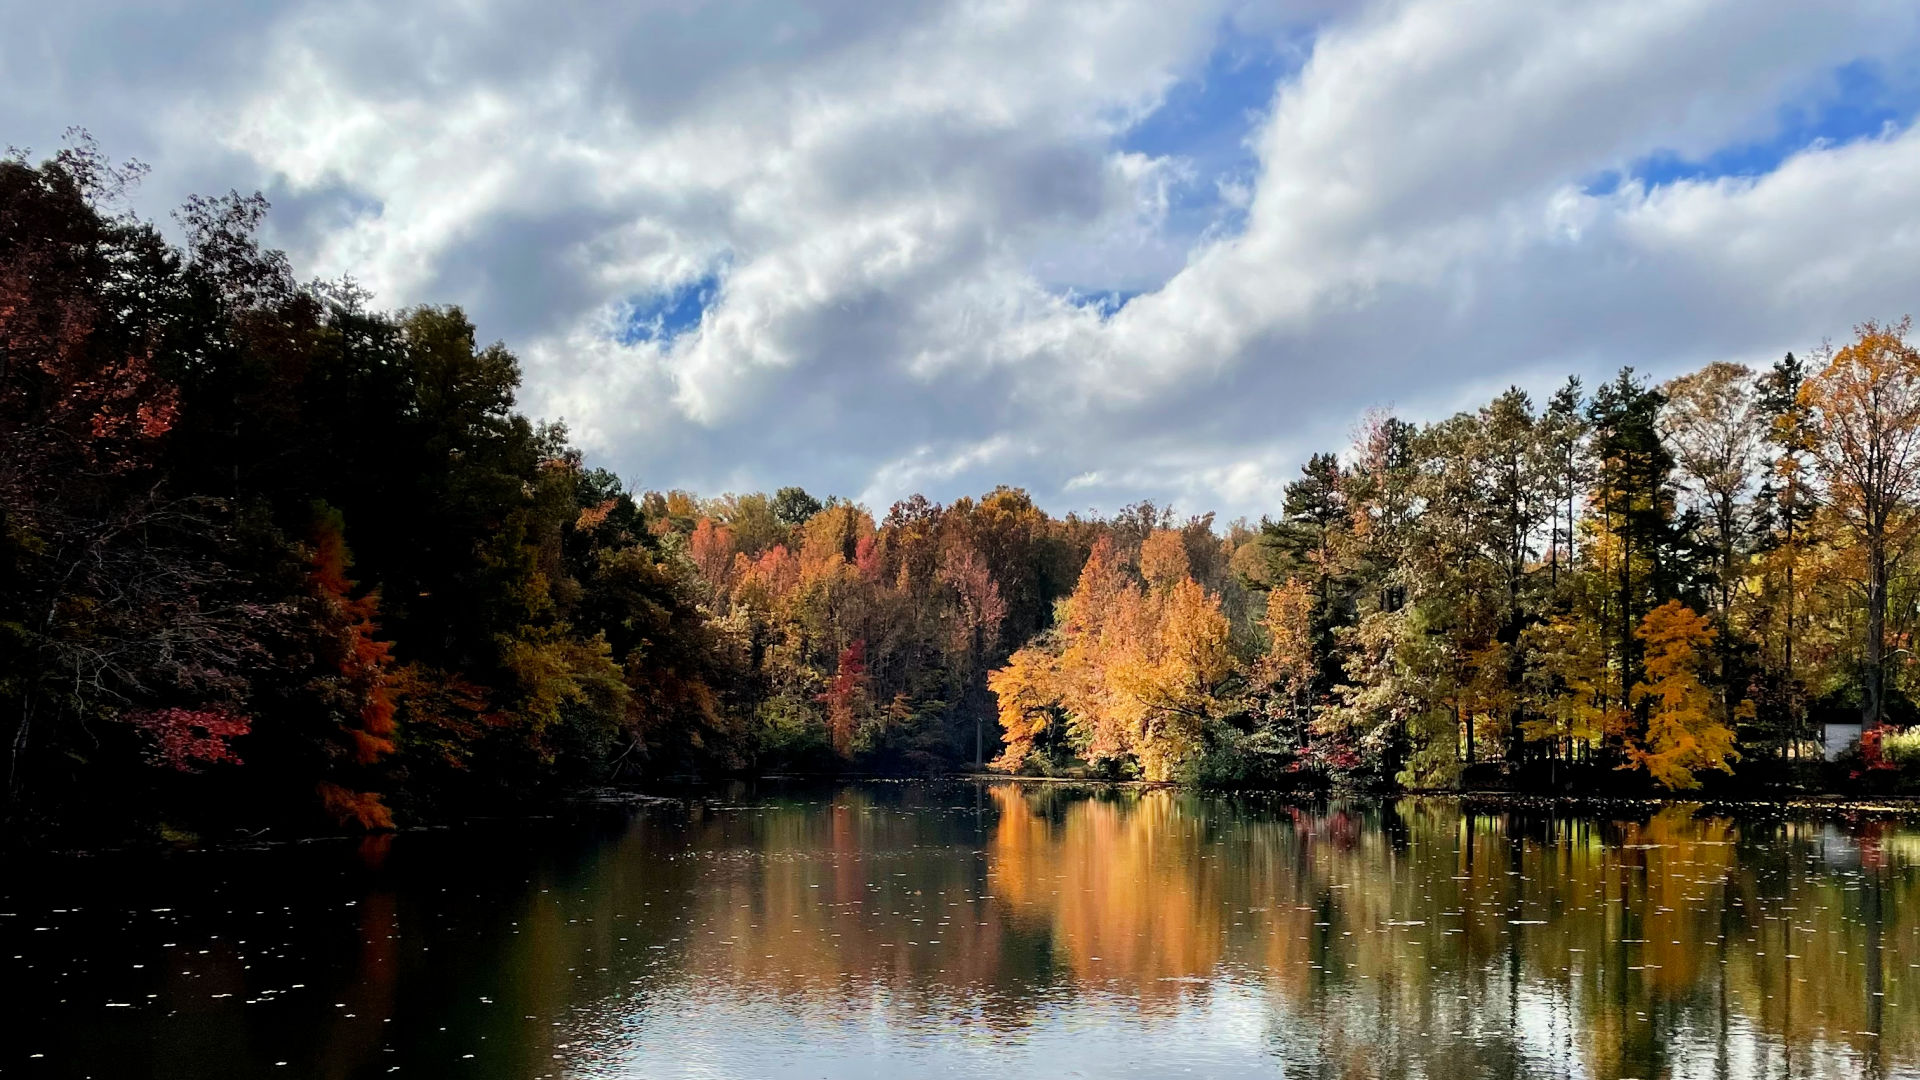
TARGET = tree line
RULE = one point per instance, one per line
(268, 554)
(1659, 580)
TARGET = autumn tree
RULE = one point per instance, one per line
(1865, 405)
(712, 550)
(846, 697)
(360, 687)
(1028, 698)
(119, 598)
(1713, 421)
(1683, 734)
(1289, 665)
(1566, 681)
(1136, 668)
(1173, 675)
(978, 614)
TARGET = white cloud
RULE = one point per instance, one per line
(896, 197)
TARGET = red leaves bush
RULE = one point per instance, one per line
(185, 740)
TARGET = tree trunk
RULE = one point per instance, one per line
(1626, 618)
(1793, 699)
(1872, 708)
(17, 749)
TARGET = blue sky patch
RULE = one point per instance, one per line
(1207, 116)
(1105, 303)
(666, 315)
(1860, 104)
(1206, 119)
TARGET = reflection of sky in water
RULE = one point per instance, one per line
(890, 930)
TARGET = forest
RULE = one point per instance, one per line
(273, 558)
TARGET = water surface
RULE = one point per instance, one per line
(905, 930)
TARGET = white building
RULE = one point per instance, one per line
(1835, 738)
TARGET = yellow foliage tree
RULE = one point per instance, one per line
(1027, 691)
(1683, 735)
(1134, 670)
(1288, 662)
(1169, 675)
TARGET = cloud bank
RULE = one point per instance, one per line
(1099, 248)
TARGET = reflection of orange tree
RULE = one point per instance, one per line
(355, 1031)
(1126, 885)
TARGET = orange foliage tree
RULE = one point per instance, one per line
(1684, 736)
(1135, 668)
(1027, 694)
(1865, 406)
(712, 549)
(361, 677)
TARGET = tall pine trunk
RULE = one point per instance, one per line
(1872, 707)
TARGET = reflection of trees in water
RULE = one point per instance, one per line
(829, 905)
(1388, 937)
(1125, 886)
(1383, 938)
(1424, 932)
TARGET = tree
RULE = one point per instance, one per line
(1786, 507)
(979, 613)
(118, 598)
(793, 506)
(1865, 405)
(1163, 559)
(1289, 665)
(360, 684)
(1173, 675)
(1683, 735)
(1636, 542)
(1563, 431)
(1715, 427)
(1566, 681)
(1099, 624)
(1028, 696)
(712, 550)
(846, 698)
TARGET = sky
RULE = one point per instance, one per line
(1105, 250)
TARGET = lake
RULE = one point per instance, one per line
(987, 930)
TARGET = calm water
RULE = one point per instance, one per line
(987, 930)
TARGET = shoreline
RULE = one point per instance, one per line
(1813, 805)
(1887, 804)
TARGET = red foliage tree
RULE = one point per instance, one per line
(117, 593)
(712, 549)
(846, 696)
